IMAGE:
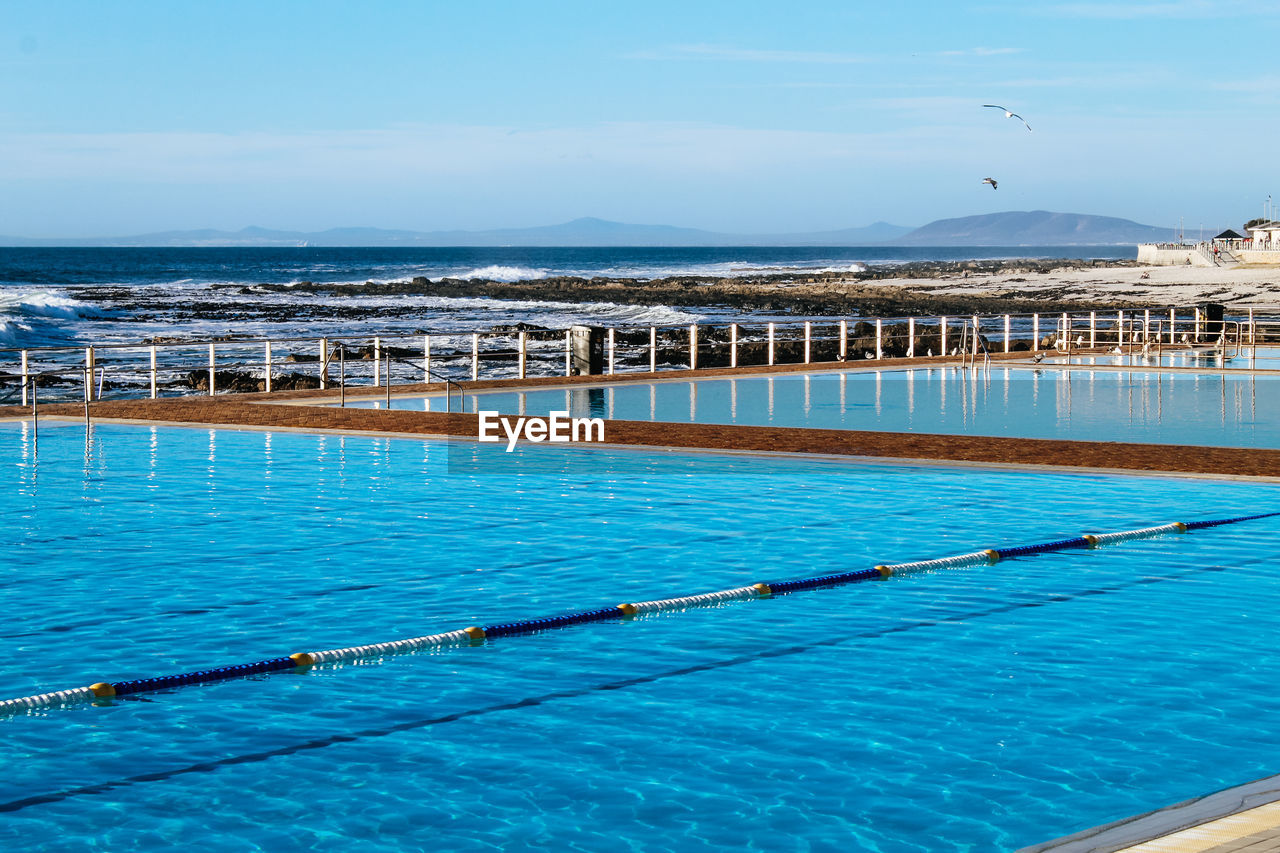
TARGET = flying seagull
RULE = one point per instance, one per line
(991, 181)
(1009, 114)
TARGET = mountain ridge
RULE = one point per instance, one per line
(1006, 228)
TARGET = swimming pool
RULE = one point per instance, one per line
(1202, 358)
(967, 710)
(1222, 410)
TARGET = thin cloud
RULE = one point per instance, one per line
(736, 54)
(983, 51)
(1163, 9)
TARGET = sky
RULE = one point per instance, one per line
(746, 117)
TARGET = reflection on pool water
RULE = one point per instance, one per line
(978, 709)
(1223, 410)
(1204, 357)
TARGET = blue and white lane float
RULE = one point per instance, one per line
(303, 660)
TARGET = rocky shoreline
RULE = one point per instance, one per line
(875, 291)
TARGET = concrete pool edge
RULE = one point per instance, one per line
(253, 411)
(1186, 826)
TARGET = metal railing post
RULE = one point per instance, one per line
(693, 346)
(154, 390)
(879, 338)
(612, 344)
(1197, 324)
(942, 335)
(1093, 329)
(475, 356)
(1173, 322)
(1006, 333)
(1035, 332)
(342, 375)
(324, 363)
(1066, 331)
(88, 382)
(377, 362)
(911, 336)
(524, 353)
(25, 377)
(771, 343)
(213, 361)
(653, 349)
(733, 344)
(268, 367)
(426, 359)
(844, 340)
(568, 352)
(1120, 329)
(808, 340)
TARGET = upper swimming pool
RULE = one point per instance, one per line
(1235, 410)
(976, 709)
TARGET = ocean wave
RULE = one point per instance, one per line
(44, 304)
(503, 273)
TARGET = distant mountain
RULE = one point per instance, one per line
(1033, 228)
(1012, 228)
(587, 231)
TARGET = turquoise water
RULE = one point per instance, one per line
(1261, 358)
(1087, 405)
(962, 711)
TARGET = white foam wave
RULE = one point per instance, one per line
(44, 304)
(503, 273)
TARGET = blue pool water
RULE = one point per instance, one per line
(979, 709)
(1259, 358)
(1233, 410)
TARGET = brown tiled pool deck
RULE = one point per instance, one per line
(281, 410)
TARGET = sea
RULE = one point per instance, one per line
(74, 297)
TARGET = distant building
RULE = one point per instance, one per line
(1263, 237)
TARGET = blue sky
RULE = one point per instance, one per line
(128, 117)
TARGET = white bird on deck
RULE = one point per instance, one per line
(1010, 114)
(991, 181)
(1038, 357)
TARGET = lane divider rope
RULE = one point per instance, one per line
(303, 660)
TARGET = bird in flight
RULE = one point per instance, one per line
(1009, 114)
(991, 181)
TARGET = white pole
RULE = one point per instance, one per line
(568, 352)
(89, 366)
(1252, 339)
(212, 375)
(268, 366)
(611, 351)
(1035, 332)
(879, 338)
(26, 379)
(1093, 329)
(1173, 321)
(1006, 332)
(1120, 328)
(475, 358)
(324, 363)
(844, 340)
(693, 347)
(426, 359)
(911, 337)
(377, 362)
(1197, 324)
(653, 349)
(524, 353)
(808, 340)
(1146, 325)
(153, 372)
(733, 344)
(942, 335)
(771, 349)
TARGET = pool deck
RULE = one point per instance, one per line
(1244, 819)
(282, 410)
